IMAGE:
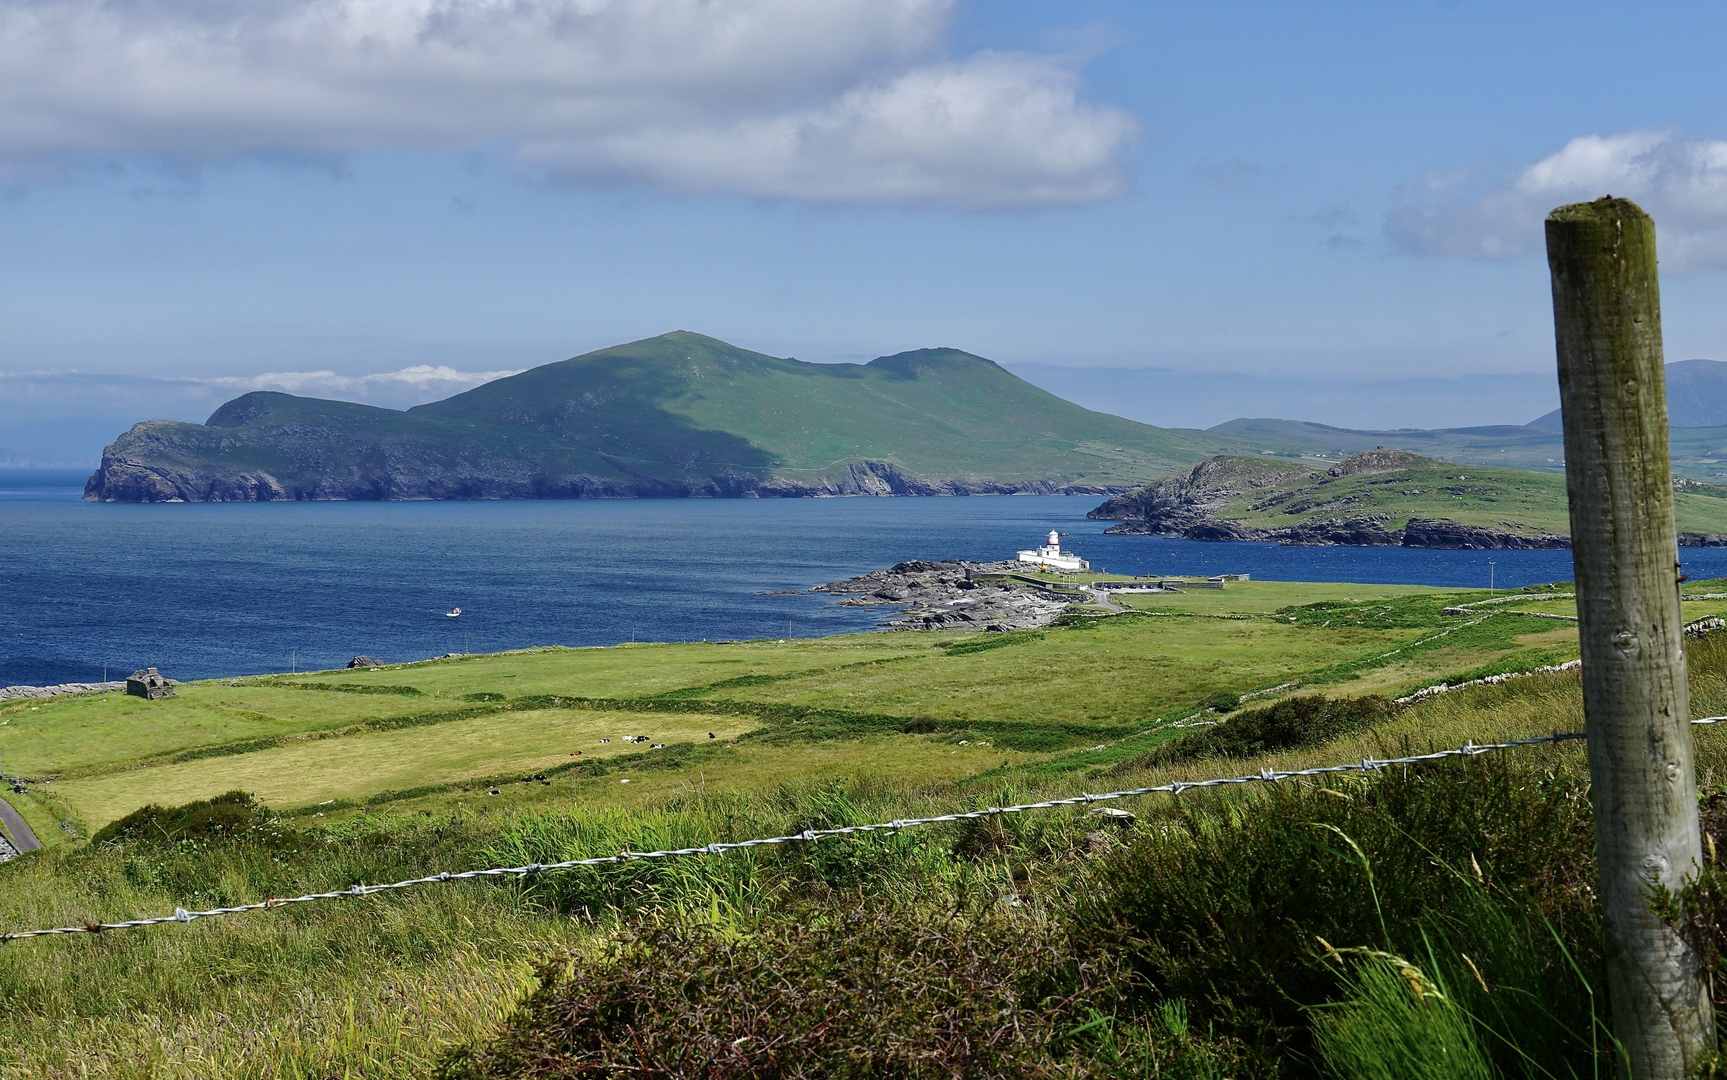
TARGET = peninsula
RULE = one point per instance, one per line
(1378, 498)
(676, 415)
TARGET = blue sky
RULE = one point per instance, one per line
(1180, 213)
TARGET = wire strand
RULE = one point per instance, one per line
(1176, 787)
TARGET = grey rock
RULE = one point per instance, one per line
(954, 595)
(1440, 533)
(13, 692)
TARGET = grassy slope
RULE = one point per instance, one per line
(283, 435)
(385, 986)
(1513, 500)
(703, 404)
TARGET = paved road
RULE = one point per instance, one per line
(23, 836)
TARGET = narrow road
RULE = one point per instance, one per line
(1101, 596)
(23, 837)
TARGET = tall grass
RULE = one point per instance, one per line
(1344, 928)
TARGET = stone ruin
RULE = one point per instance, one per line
(149, 685)
(363, 662)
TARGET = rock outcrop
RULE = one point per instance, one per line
(954, 595)
(9, 693)
(1440, 533)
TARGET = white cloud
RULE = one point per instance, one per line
(415, 385)
(409, 386)
(1680, 180)
(836, 100)
(994, 130)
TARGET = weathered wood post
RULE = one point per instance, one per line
(1612, 391)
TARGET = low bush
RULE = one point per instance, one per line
(857, 994)
(1287, 725)
(233, 816)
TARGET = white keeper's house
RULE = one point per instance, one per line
(1051, 556)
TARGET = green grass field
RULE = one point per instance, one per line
(906, 698)
(377, 775)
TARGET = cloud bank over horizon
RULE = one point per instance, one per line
(849, 101)
(401, 389)
(1681, 180)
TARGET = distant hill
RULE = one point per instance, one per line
(1699, 453)
(675, 415)
(1378, 497)
(1696, 396)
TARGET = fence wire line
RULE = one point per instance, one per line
(1369, 764)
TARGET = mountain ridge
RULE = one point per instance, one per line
(678, 415)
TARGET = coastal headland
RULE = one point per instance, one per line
(1378, 498)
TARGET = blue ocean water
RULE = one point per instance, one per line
(210, 590)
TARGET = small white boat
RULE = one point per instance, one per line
(453, 613)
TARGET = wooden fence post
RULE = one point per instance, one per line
(1612, 391)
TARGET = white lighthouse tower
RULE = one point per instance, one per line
(1050, 556)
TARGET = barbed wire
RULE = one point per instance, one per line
(1176, 787)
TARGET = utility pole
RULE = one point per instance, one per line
(1490, 578)
(1643, 784)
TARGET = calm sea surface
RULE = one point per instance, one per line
(208, 590)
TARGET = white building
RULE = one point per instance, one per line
(1051, 556)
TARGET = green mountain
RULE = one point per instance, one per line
(676, 415)
(1378, 497)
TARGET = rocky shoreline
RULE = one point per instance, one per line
(1374, 530)
(154, 462)
(954, 595)
(1370, 530)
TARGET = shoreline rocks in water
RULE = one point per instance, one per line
(953, 594)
